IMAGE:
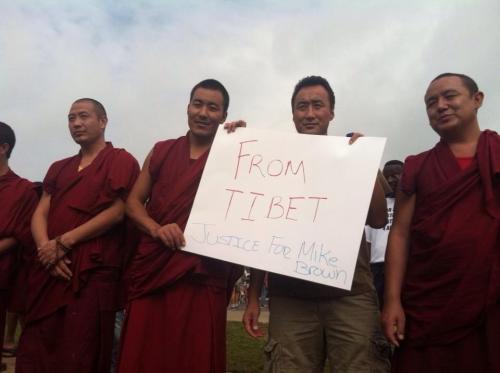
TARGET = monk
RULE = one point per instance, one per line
(442, 300)
(18, 199)
(176, 315)
(78, 230)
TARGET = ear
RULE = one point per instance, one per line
(332, 115)
(223, 118)
(103, 121)
(478, 99)
(4, 148)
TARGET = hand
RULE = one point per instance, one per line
(354, 136)
(393, 322)
(48, 254)
(171, 236)
(251, 320)
(61, 269)
(231, 126)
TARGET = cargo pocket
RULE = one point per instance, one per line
(382, 352)
(272, 353)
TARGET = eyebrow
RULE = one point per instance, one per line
(206, 102)
(440, 94)
(80, 112)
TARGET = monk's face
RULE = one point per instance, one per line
(312, 111)
(85, 126)
(451, 107)
(205, 112)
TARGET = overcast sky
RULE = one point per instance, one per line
(141, 58)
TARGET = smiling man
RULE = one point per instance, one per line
(79, 231)
(176, 315)
(442, 295)
(310, 322)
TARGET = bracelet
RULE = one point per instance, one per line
(62, 246)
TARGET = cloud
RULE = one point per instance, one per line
(142, 58)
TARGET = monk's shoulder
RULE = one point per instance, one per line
(415, 161)
(164, 145)
(56, 167)
(122, 156)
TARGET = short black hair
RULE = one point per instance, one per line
(393, 162)
(99, 108)
(7, 136)
(468, 82)
(312, 80)
(213, 85)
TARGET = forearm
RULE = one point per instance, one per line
(137, 212)
(7, 244)
(256, 282)
(396, 259)
(96, 226)
(39, 227)
(377, 212)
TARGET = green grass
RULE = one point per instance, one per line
(244, 354)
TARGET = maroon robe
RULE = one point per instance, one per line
(451, 292)
(69, 325)
(18, 200)
(176, 316)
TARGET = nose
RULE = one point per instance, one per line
(203, 111)
(75, 123)
(442, 104)
(310, 112)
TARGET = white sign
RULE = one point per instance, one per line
(286, 203)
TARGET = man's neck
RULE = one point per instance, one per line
(198, 146)
(90, 151)
(4, 167)
(464, 143)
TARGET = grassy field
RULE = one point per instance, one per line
(244, 354)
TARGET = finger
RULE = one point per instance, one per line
(61, 273)
(164, 236)
(180, 240)
(65, 269)
(388, 328)
(229, 127)
(255, 327)
(354, 137)
(400, 329)
(249, 326)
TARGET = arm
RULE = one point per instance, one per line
(7, 244)
(396, 257)
(377, 212)
(170, 234)
(252, 312)
(44, 245)
(39, 220)
(50, 252)
(96, 226)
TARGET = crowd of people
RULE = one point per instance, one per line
(102, 235)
